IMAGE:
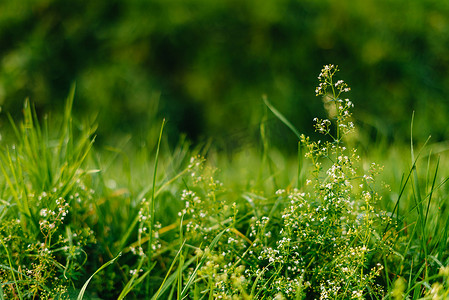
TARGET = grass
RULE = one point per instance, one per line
(155, 223)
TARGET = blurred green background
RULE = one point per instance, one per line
(204, 64)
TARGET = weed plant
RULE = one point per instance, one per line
(80, 223)
(323, 240)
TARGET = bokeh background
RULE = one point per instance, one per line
(204, 65)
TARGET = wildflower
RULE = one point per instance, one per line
(43, 212)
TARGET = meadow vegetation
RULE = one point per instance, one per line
(342, 220)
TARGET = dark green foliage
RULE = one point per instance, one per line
(203, 64)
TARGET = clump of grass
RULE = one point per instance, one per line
(47, 198)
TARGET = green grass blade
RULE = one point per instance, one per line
(171, 279)
(200, 264)
(281, 117)
(133, 281)
(168, 280)
(300, 156)
(12, 270)
(403, 185)
(128, 232)
(83, 289)
(431, 190)
(152, 200)
(8, 162)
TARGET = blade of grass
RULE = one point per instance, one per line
(281, 117)
(171, 279)
(6, 160)
(404, 185)
(181, 260)
(151, 205)
(168, 280)
(152, 200)
(284, 120)
(200, 264)
(418, 200)
(263, 135)
(431, 190)
(300, 156)
(83, 289)
(133, 282)
(12, 270)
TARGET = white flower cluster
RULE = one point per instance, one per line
(51, 219)
(326, 81)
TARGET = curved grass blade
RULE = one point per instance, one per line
(12, 272)
(200, 264)
(281, 117)
(83, 289)
(168, 280)
(133, 282)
